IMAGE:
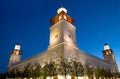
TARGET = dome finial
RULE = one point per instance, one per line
(17, 46)
(61, 9)
(106, 46)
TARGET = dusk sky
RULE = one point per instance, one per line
(27, 22)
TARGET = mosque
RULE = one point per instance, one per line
(63, 44)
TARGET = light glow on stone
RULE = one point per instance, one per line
(17, 52)
(63, 77)
(49, 78)
(65, 17)
(79, 78)
(68, 77)
(60, 17)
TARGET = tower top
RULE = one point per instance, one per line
(17, 46)
(61, 14)
(61, 9)
(17, 49)
(106, 46)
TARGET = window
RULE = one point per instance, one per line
(65, 17)
(56, 36)
(17, 52)
(60, 17)
(107, 53)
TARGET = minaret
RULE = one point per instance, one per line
(109, 56)
(62, 29)
(62, 14)
(15, 54)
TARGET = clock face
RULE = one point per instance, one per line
(56, 36)
(70, 36)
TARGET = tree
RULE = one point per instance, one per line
(28, 69)
(103, 73)
(77, 68)
(88, 71)
(37, 71)
(64, 67)
(116, 74)
(2, 75)
(11, 74)
(49, 69)
(18, 73)
(97, 72)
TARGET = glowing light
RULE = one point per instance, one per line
(106, 47)
(61, 77)
(17, 52)
(107, 53)
(80, 78)
(68, 77)
(61, 9)
(49, 78)
(65, 17)
(17, 47)
(60, 17)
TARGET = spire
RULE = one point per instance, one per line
(108, 55)
(61, 9)
(106, 46)
(15, 54)
(16, 49)
(61, 14)
(17, 46)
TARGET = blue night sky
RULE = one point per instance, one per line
(27, 22)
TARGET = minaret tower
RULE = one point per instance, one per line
(62, 29)
(63, 35)
(109, 56)
(15, 54)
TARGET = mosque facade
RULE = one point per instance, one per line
(62, 44)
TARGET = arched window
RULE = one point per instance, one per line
(65, 17)
(60, 17)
